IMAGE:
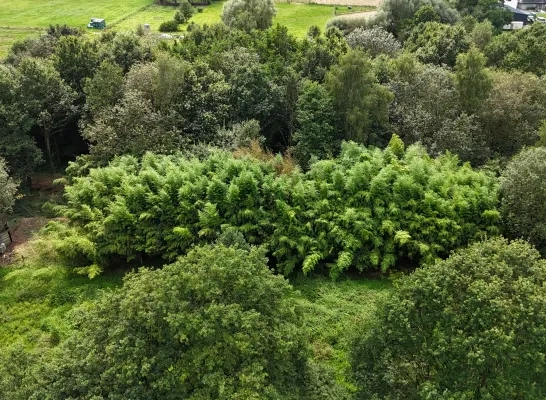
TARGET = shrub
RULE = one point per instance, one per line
(348, 25)
(523, 193)
(365, 209)
(169, 26)
(472, 326)
(179, 18)
(186, 9)
(375, 41)
(248, 14)
(8, 192)
(216, 324)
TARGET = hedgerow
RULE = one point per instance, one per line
(365, 209)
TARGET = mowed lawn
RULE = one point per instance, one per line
(17, 16)
(20, 19)
(296, 17)
(42, 13)
(10, 36)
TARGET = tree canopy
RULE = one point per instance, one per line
(472, 326)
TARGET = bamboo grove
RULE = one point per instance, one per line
(366, 209)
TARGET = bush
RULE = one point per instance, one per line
(523, 193)
(365, 209)
(186, 9)
(375, 41)
(169, 26)
(200, 9)
(470, 327)
(348, 25)
(217, 324)
(8, 192)
(179, 18)
(248, 14)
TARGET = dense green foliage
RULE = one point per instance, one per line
(242, 135)
(216, 324)
(248, 14)
(365, 210)
(470, 327)
(523, 192)
(9, 189)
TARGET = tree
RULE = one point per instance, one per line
(374, 41)
(131, 127)
(125, 49)
(185, 11)
(17, 146)
(513, 112)
(470, 327)
(361, 103)
(217, 324)
(522, 51)
(76, 59)
(493, 11)
(522, 190)
(9, 189)
(472, 80)
(104, 89)
(248, 14)
(320, 53)
(424, 101)
(47, 99)
(437, 43)
(315, 116)
(482, 34)
(398, 14)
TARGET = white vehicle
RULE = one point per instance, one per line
(514, 25)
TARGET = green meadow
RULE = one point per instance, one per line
(297, 17)
(20, 19)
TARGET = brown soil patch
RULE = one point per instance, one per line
(25, 229)
(44, 182)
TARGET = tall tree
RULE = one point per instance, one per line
(315, 118)
(48, 100)
(472, 80)
(361, 103)
(105, 88)
(16, 144)
(76, 58)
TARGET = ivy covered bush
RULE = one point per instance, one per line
(366, 209)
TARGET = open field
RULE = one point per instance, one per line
(10, 36)
(297, 17)
(29, 13)
(16, 17)
(20, 19)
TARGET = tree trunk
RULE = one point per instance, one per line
(48, 148)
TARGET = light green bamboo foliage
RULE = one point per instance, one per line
(369, 208)
(365, 210)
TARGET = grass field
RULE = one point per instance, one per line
(20, 19)
(32, 13)
(296, 16)
(10, 36)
